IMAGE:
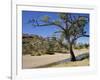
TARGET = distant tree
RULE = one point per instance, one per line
(86, 45)
(70, 26)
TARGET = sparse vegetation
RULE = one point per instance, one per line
(81, 46)
(36, 45)
(71, 27)
(53, 39)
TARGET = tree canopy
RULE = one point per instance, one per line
(70, 26)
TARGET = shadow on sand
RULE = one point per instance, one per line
(78, 58)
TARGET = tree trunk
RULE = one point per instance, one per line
(73, 58)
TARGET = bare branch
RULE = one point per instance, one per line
(79, 37)
(85, 35)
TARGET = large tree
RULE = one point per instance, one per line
(69, 25)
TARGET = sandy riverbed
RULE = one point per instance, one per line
(29, 62)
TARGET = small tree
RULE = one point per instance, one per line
(70, 26)
(86, 46)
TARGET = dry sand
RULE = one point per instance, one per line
(29, 62)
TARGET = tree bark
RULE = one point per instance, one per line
(73, 58)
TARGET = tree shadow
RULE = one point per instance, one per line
(82, 57)
(78, 58)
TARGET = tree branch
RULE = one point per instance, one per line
(86, 36)
(79, 37)
(38, 25)
(49, 24)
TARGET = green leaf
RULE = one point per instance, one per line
(45, 18)
(57, 22)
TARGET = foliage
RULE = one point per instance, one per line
(81, 46)
(36, 45)
(71, 27)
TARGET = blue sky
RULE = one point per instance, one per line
(46, 31)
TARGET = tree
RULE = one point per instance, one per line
(70, 26)
(86, 45)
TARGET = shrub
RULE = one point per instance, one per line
(50, 53)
